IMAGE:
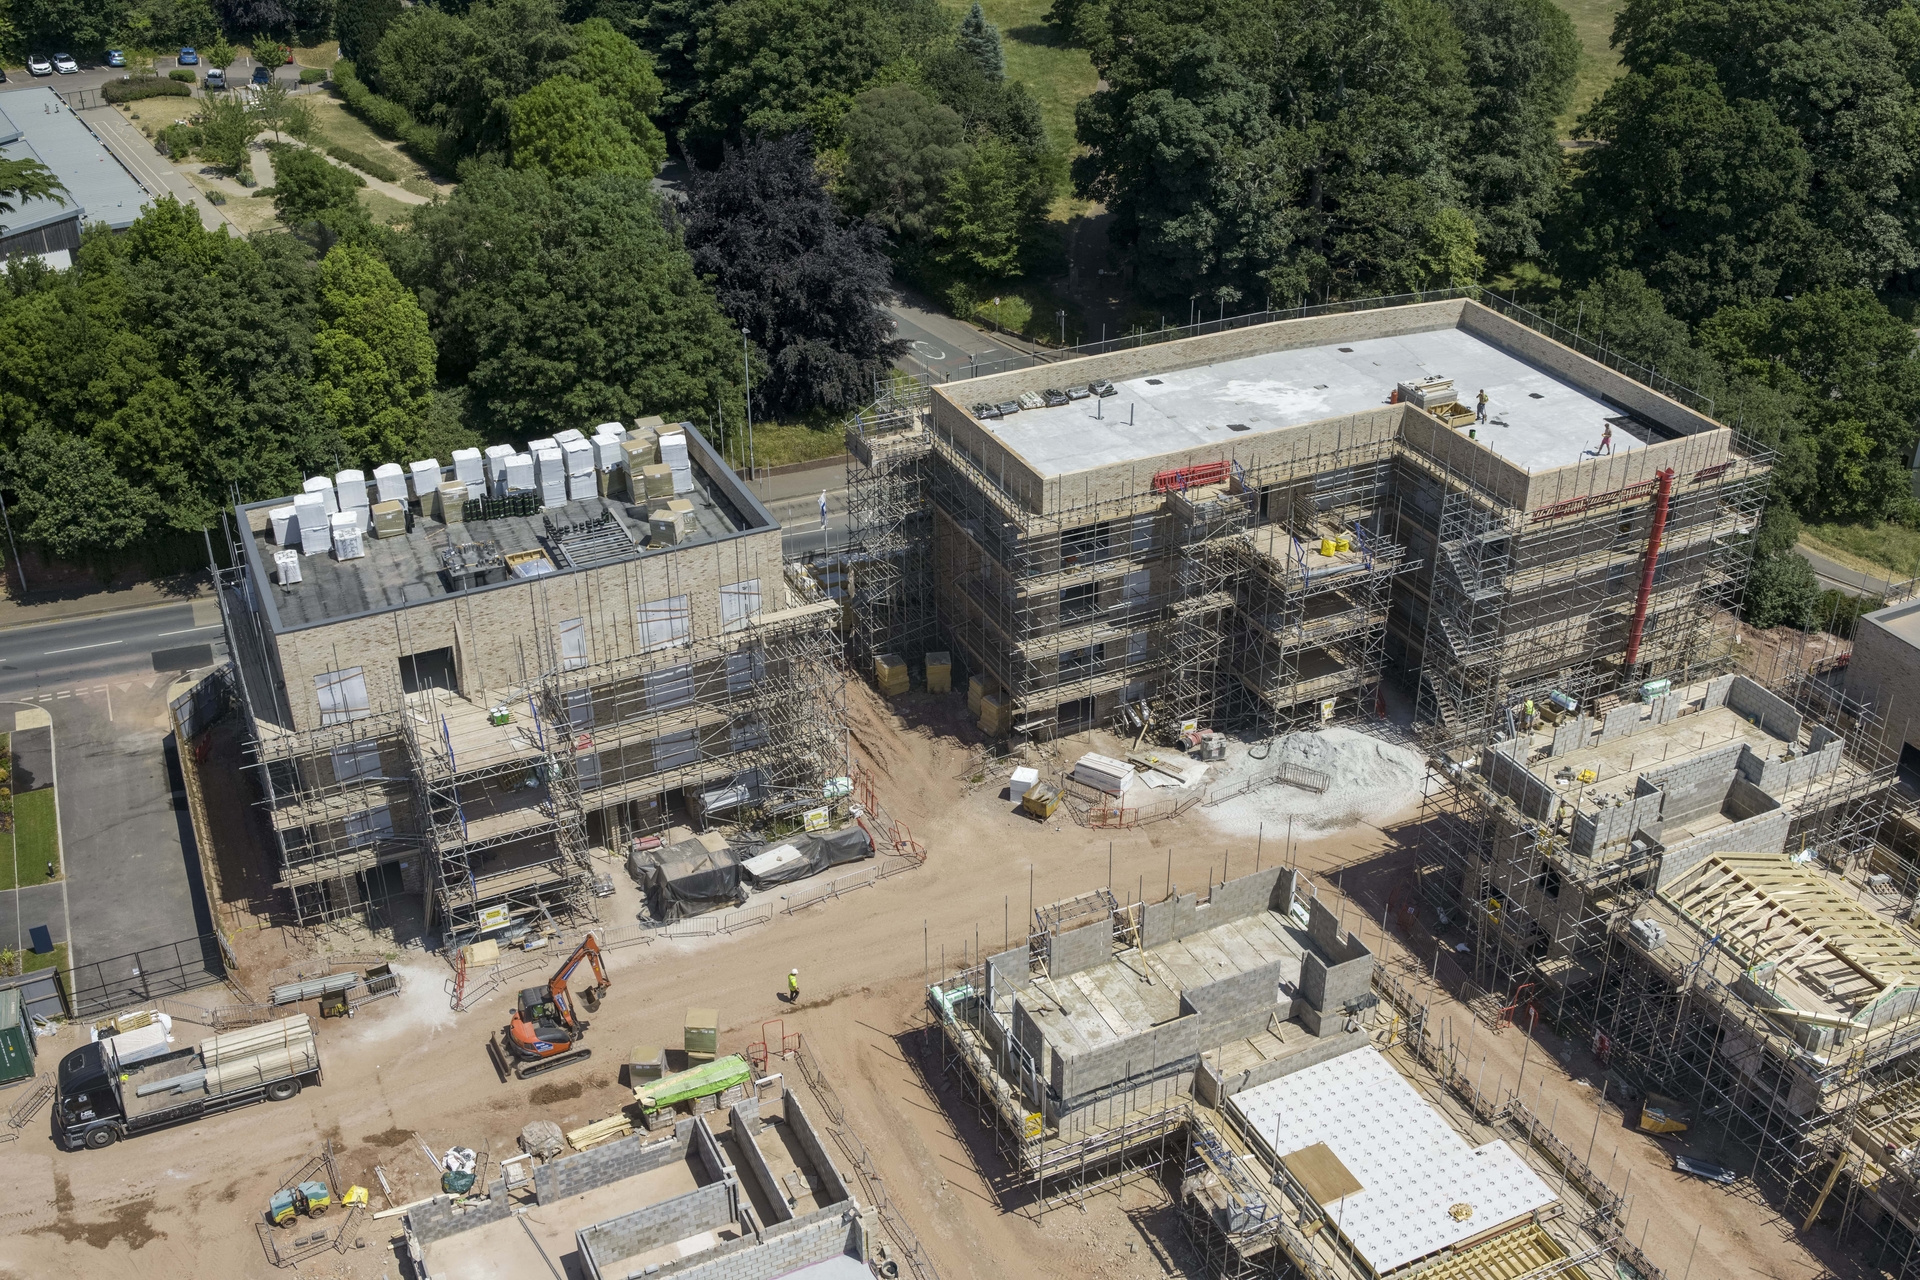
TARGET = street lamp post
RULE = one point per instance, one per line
(746, 366)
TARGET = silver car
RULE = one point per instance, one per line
(64, 64)
(39, 67)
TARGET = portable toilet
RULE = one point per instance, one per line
(16, 1038)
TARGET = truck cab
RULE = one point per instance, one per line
(89, 1103)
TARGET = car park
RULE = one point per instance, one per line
(116, 58)
(216, 79)
(64, 64)
(189, 57)
(39, 67)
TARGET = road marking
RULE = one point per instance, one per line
(927, 351)
(77, 648)
(187, 631)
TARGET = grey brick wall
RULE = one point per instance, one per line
(743, 1118)
(437, 1218)
(1238, 1006)
(833, 1187)
(1763, 708)
(1764, 834)
(1697, 785)
(1512, 778)
(609, 1162)
(1570, 735)
(1078, 949)
(602, 1245)
(1079, 1073)
(780, 1249)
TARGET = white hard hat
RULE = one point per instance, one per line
(793, 973)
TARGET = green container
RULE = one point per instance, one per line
(16, 1039)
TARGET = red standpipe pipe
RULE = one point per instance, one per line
(1653, 561)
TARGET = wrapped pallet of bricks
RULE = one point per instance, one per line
(890, 673)
(976, 690)
(939, 673)
(658, 479)
(996, 715)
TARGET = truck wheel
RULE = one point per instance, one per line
(104, 1136)
(281, 1090)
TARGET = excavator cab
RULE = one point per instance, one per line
(545, 1032)
(537, 1012)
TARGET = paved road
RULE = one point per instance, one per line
(148, 167)
(1832, 573)
(943, 346)
(130, 865)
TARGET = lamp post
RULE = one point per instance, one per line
(13, 550)
(746, 367)
(1061, 316)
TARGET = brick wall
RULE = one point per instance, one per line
(1698, 784)
(779, 1250)
(610, 1162)
(1078, 949)
(1241, 1005)
(833, 1187)
(1075, 1073)
(703, 1209)
(743, 1118)
(1771, 713)
(437, 1218)
(1512, 778)
(1885, 672)
(1766, 833)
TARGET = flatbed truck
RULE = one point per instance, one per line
(103, 1100)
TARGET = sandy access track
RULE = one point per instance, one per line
(184, 1203)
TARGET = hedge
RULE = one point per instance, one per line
(312, 75)
(183, 75)
(388, 117)
(179, 140)
(363, 162)
(146, 87)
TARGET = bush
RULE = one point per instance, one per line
(183, 75)
(179, 140)
(384, 116)
(370, 165)
(312, 75)
(1008, 312)
(144, 87)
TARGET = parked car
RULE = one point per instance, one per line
(216, 79)
(116, 58)
(263, 75)
(64, 64)
(39, 67)
(189, 57)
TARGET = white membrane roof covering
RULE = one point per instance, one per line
(1535, 420)
(1412, 1166)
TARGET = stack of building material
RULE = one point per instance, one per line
(389, 519)
(657, 480)
(939, 672)
(350, 494)
(423, 479)
(608, 456)
(579, 459)
(1103, 773)
(673, 452)
(310, 513)
(1024, 777)
(587, 1136)
(496, 469)
(637, 453)
(450, 502)
(669, 528)
(519, 473)
(890, 673)
(996, 715)
(286, 564)
(550, 474)
(323, 488)
(704, 1081)
(280, 526)
(702, 1036)
(470, 469)
(389, 482)
(976, 690)
(1176, 767)
(343, 529)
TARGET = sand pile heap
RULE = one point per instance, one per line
(1370, 780)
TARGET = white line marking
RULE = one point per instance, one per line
(188, 631)
(77, 648)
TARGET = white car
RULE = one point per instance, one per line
(64, 64)
(39, 67)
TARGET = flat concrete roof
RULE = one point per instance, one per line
(1900, 620)
(36, 125)
(1536, 421)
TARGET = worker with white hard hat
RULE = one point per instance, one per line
(793, 986)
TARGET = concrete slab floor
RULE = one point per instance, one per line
(1534, 421)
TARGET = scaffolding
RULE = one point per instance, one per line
(889, 587)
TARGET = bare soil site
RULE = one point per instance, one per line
(409, 1076)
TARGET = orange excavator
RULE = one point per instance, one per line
(546, 1032)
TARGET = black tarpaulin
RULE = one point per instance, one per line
(817, 850)
(690, 879)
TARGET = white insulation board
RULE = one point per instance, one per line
(1411, 1164)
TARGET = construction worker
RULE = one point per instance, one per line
(1531, 715)
(1606, 442)
(1481, 404)
(793, 986)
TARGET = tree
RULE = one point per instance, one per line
(68, 497)
(218, 52)
(901, 151)
(1780, 585)
(557, 299)
(47, 25)
(764, 63)
(361, 23)
(623, 75)
(460, 72)
(160, 24)
(227, 128)
(257, 15)
(273, 105)
(270, 53)
(24, 180)
(980, 232)
(307, 187)
(671, 31)
(568, 129)
(811, 290)
(373, 358)
(980, 41)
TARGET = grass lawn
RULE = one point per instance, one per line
(783, 443)
(384, 208)
(1599, 65)
(36, 840)
(324, 54)
(1883, 548)
(335, 124)
(1058, 75)
(54, 959)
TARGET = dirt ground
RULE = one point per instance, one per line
(409, 1070)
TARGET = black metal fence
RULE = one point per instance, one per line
(141, 977)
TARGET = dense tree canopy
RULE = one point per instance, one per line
(901, 149)
(568, 129)
(373, 356)
(808, 287)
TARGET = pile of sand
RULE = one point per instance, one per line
(1371, 780)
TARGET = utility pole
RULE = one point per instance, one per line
(746, 367)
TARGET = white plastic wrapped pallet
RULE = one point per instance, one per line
(609, 429)
(280, 525)
(496, 466)
(344, 528)
(606, 453)
(582, 486)
(424, 478)
(563, 438)
(390, 482)
(579, 455)
(310, 514)
(469, 468)
(517, 474)
(286, 565)
(350, 490)
(324, 487)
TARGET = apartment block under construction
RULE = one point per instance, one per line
(452, 715)
(1251, 528)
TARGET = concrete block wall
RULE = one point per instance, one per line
(1079, 949)
(1569, 735)
(1270, 889)
(1778, 776)
(1669, 708)
(1336, 975)
(1766, 833)
(1210, 1087)
(708, 1158)
(1239, 1006)
(1028, 1034)
(703, 1209)
(833, 1187)
(609, 1162)
(1078, 1073)
(781, 1249)
(1512, 778)
(1716, 692)
(1169, 921)
(1698, 784)
(1616, 471)
(1008, 971)
(437, 1218)
(1885, 671)
(743, 1118)
(1162, 1087)
(1771, 713)
(1744, 800)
